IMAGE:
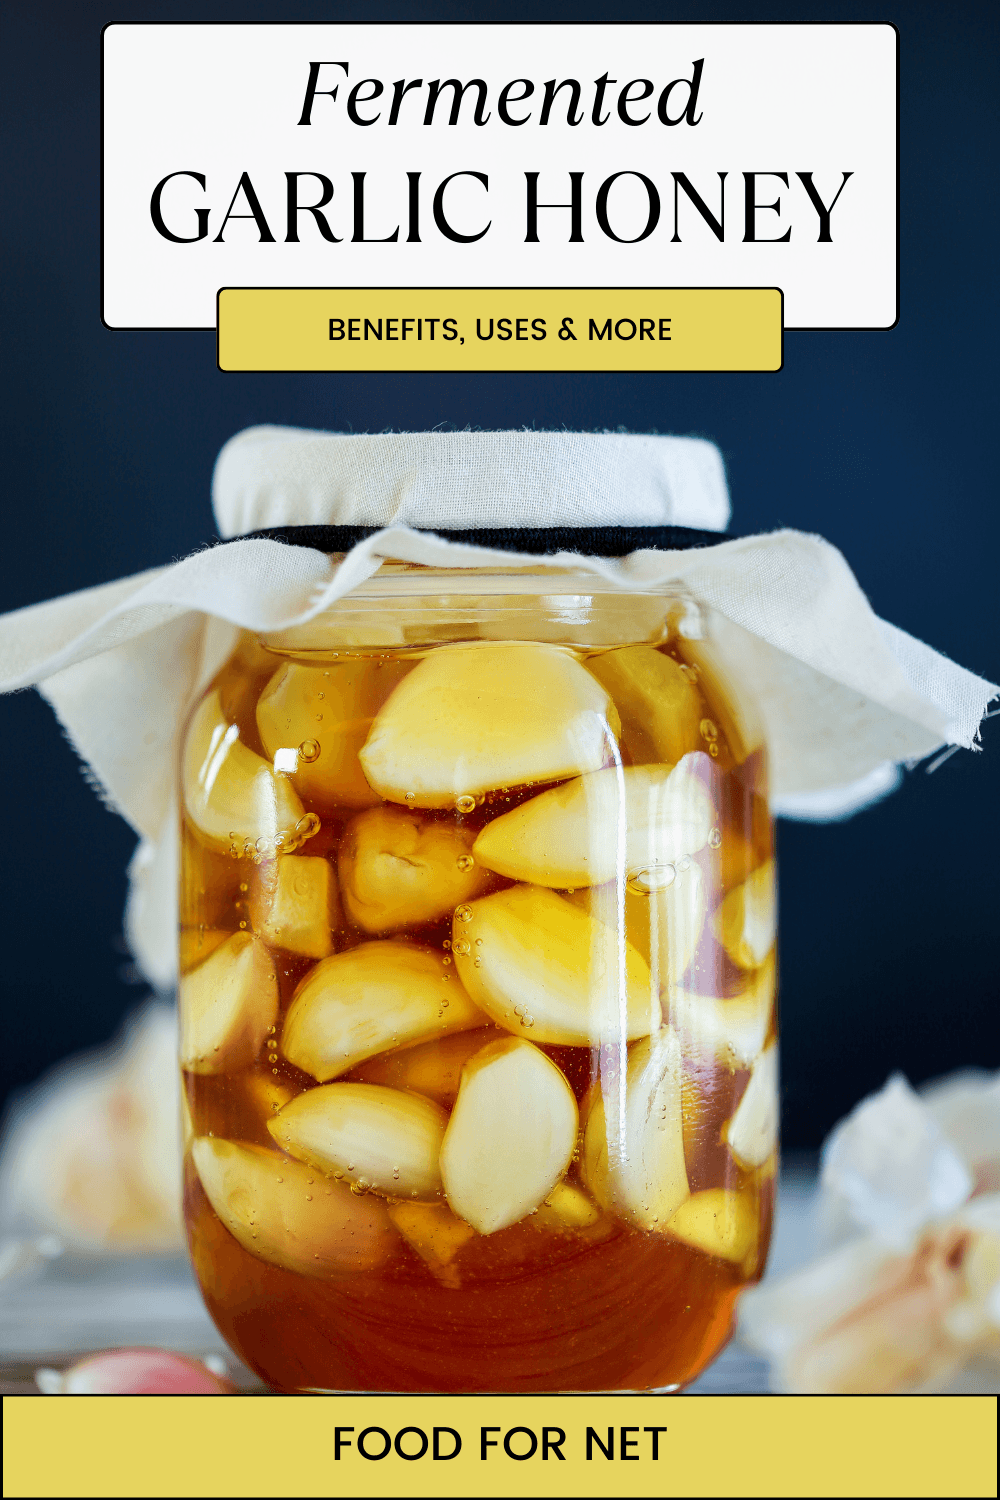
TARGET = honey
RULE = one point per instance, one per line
(477, 1013)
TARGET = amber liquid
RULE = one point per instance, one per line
(606, 1306)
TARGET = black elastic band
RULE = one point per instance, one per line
(592, 541)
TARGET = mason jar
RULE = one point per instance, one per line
(477, 956)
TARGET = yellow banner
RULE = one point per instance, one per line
(363, 328)
(502, 1445)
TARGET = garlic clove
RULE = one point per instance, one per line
(287, 1214)
(567, 1208)
(746, 920)
(136, 1372)
(615, 823)
(377, 1138)
(653, 692)
(434, 1232)
(369, 999)
(534, 961)
(731, 1031)
(432, 1068)
(227, 1006)
(472, 718)
(720, 1222)
(320, 717)
(295, 907)
(752, 1133)
(196, 943)
(633, 1144)
(510, 1137)
(232, 795)
(398, 869)
(664, 925)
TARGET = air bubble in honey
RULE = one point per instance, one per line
(653, 878)
(309, 749)
(465, 804)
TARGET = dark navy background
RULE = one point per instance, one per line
(883, 442)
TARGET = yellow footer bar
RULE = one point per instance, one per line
(502, 1445)
(476, 328)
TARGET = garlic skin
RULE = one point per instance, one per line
(433, 1069)
(633, 1157)
(719, 1222)
(369, 999)
(136, 1372)
(746, 920)
(228, 1004)
(295, 905)
(326, 712)
(469, 719)
(752, 1133)
(374, 1137)
(652, 691)
(231, 794)
(288, 1214)
(533, 961)
(399, 870)
(510, 1137)
(602, 826)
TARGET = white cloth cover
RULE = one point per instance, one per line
(269, 476)
(843, 696)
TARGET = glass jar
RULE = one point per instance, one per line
(477, 994)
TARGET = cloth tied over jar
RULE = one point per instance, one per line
(844, 697)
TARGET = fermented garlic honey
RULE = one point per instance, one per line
(477, 994)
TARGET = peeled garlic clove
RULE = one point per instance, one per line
(612, 823)
(295, 905)
(566, 1208)
(746, 921)
(664, 925)
(196, 943)
(732, 1030)
(650, 689)
(639, 1171)
(267, 1094)
(377, 1138)
(357, 1004)
(287, 1214)
(398, 869)
(510, 1137)
(433, 1069)
(534, 961)
(232, 796)
(752, 1133)
(227, 1006)
(319, 717)
(718, 1221)
(433, 1231)
(471, 718)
